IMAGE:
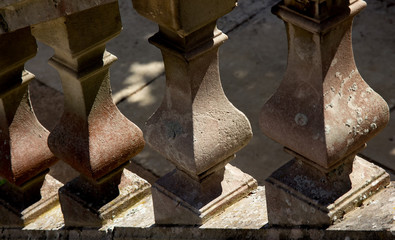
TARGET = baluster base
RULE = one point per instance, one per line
(20, 205)
(90, 203)
(299, 194)
(179, 199)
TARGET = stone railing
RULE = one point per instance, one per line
(323, 113)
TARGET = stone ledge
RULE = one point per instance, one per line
(245, 219)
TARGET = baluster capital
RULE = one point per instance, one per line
(183, 17)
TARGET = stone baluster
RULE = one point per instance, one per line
(26, 191)
(92, 135)
(323, 113)
(196, 127)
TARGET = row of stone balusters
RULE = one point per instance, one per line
(323, 113)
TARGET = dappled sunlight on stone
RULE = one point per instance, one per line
(141, 74)
(140, 71)
(143, 100)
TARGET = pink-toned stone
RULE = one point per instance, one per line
(25, 156)
(323, 113)
(297, 190)
(323, 109)
(92, 135)
(192, 202)
(21, 205)
(92, 204)
(24, 149)
(196, 127)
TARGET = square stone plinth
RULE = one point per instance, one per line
(299, 195)
(81, 207)
(183, 17)
(179, 199)
(21, 205)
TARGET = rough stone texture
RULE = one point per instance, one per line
(299, 194)
(374, 214)
(248, 213)
(48, 106)
(323, 109)
(24, 149)
(19, 206)
(85, 205)
(196, 127)
(88, 103)
(243, 220)
(183, 17)
(324, 113)
(243, 65)
(192, 202)
(251, 65)
(19, 14)
(92, 135)
(25, 156)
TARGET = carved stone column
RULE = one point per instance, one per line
(92, 135)
(323, 113)
(196, 127)
(25, 191)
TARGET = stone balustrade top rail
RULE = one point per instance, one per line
(16, 14)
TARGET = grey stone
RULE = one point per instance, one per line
(372, 214)
(301, 195)
(20, 207)
(193, 202)
(93, 205)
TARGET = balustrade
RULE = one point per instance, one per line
(92, 135)
(323, 114)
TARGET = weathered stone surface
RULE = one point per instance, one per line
(48, 107)
(196, 127)
(239, 222)
(373, 215)
(184, 17)
(298, 190)
(24, 150)
(100, 138)
(21, 205)
(19, 14)
(332, 112)
(193, 202)
(176, 128)
(25, 156)
(92, 135)
(257, 71)
(86, 205)
(324, 113)
(248, 213)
